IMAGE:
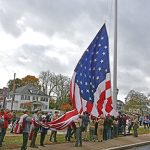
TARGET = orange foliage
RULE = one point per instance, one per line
(65, 107)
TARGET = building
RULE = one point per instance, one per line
(28, 97)
(120, 106)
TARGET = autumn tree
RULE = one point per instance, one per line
(29, 79)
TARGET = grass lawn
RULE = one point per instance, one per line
(11, 142)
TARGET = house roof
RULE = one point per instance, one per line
(29, 89)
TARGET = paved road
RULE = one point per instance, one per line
(141, 148)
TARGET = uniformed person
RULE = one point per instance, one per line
(78, 124)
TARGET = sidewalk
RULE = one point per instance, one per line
(113, 144)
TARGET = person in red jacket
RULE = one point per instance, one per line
(5, 115)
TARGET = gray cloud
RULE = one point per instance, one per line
(78, 21)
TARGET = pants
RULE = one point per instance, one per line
(34, 137)
(53, 135)
(78, 137)
(108, 133)
(2, 135)
(25, 141)
(42, 137)
(115, 130)
(68, 134)
(100, 133)
(92, 133)
(124, 129)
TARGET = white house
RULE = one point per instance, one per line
(28, 95)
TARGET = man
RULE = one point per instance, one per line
(43, 131)
(35, 128)
(78, 124)
(5, 115)
(85, 123)
(25, 121)
(54, 131)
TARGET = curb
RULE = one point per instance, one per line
(129, 146)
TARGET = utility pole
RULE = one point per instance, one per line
(115, 59)
(4, 95)
(14, 89)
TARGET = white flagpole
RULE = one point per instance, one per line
(115, 59)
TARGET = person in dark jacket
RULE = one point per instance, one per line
(25, 121)
(43, 131)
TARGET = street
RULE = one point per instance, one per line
(141, 148)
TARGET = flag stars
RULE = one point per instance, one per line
(87, 50)
(81, 82)
(99, 69)
(102, 61)
(86, 83)
(80, 74)
(97, 52)
(99, 45)
(81, 65)
(85, 67)
(105, 70)
(86, 59)
(93, 68)
(103, 53)
(102, 38)
(82, 91)
(97, 78)
(85, 75)
(95, 60)
(105, 47)
(87, 91)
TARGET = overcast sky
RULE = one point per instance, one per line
(41, 35)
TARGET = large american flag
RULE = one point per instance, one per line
(90, 88)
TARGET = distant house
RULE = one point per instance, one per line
(28, 97)
(120, 106)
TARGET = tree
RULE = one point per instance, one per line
(48, 82)
(136, 100)
(29, 79)
(53, 84)
(18, 83)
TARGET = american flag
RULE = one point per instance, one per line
(91, 84)
(90, 88)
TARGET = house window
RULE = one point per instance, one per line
(25, 97)
(22, 97)
(33, 98)
(37, 98)
(46, 99)
(28, 97)
(41, 98)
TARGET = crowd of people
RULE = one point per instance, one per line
(86, 127)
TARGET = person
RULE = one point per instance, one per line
(78, 140)
(54, 131)
(92, 129)
(135, 126)
(5, 115)
(68, 133)
(43, 131)
(35, 128)
(25, 121)
(85, 123)
(109, 122)
(100, 128)
(14, 118)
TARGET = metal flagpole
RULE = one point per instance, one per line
(115, 59)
